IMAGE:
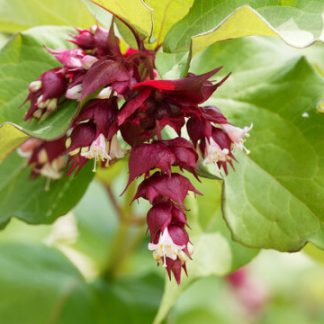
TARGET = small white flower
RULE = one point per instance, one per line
(115, 151)
(74, 92)
(35, 86)
(214, 153)
(166, 248)
(98, 151)
(237, 135)
(104, 93)
(54, 169)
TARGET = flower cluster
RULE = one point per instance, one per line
(121, 98)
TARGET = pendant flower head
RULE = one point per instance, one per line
(119, 91)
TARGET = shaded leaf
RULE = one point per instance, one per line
(39, 285)
(27, 199)
(272, 200)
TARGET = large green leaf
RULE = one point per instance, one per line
(16, 15)
(28, 199)
(140, 296)
(273, 199)
(22, 61)
(299, 23)
(39, 285)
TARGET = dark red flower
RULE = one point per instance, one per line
(45, 93)
(175, 267)
(161, 216)
(84, 39)
(106, 73)
(161, 186)
(162, 155)
(103, 114)
(191, 90)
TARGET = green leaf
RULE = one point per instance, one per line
(272, 200)
(39, 285)
(3, 39)
(315, 55)
(10, 137)
(165, 14)
(153, 19)
(27, 199)
(16, 15)
(172, 66)
(140, 296)
(298, 23)
(22, 61)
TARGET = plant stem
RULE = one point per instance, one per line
(123, 243)
(122, 215)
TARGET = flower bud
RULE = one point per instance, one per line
(35, 86)
(74, 93)
(88, 61)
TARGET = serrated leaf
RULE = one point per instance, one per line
(22, 60)
(273, 199)
(298, 23)
(17, 15)
(27, 199)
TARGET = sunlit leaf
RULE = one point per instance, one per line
(298, 23)
(151, 18)
(17, 15)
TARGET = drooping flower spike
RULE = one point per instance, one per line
(120, 98)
